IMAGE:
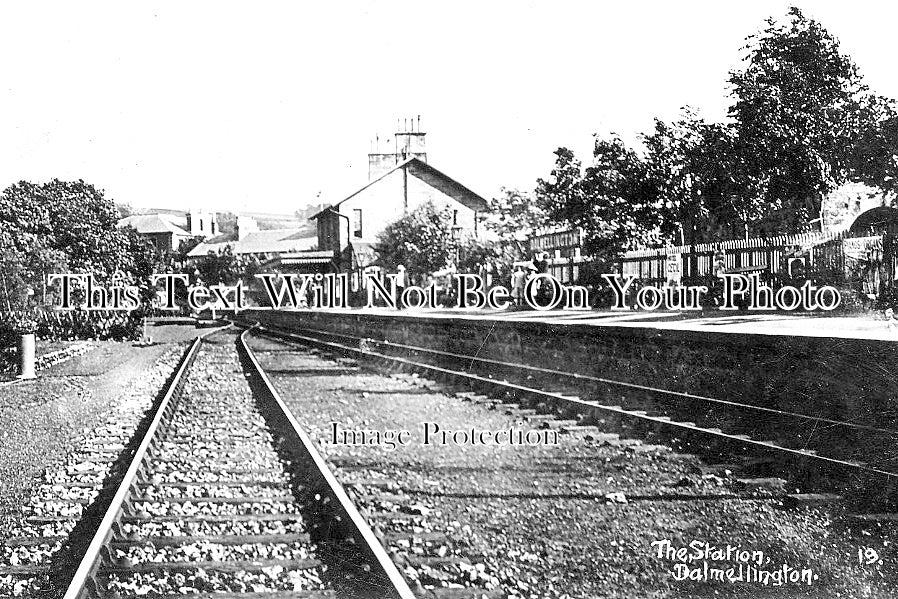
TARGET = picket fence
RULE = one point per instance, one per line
(839, 258)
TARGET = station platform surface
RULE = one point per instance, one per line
(870, 326)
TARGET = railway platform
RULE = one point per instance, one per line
(831, 378)
(872, 326)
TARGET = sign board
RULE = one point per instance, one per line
(673, 268)
(861, 248)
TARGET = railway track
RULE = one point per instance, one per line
(40, 534)
(226, 497)
(578, 402)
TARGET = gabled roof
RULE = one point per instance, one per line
(152, 223)
(431, 176)
(274, 241)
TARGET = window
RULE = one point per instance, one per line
(454, 218)
(357, 223)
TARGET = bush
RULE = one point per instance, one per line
(69, 326)
(887, 299)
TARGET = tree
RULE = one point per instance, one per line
(222, 268)
(142, 262)
(802, 122)
(62, 226)
(798, 114)
(613, 201)
(513, 217)
(421, 240)
(473, 252)
(184, 248)
(690, 167)
(875, 159)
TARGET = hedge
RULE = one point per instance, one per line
(58, 325)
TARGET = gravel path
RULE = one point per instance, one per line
(577, 519)
(40, 532)
(43, 419)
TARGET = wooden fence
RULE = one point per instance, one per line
(813, 255)
(865, 262)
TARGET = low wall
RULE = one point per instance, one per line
(841, 379)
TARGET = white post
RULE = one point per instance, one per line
(26, 356)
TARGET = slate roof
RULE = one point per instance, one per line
(152, 223)
(274, 241)
(431, 176)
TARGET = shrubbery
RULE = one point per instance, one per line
(68, 326)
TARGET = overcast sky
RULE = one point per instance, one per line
(262, 106)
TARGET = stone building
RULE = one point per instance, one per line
(248, 239)
(850, 207)
(399, 180)
(166, 229)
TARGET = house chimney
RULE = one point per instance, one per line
(201, 223)
(408, 142)
(245, 226)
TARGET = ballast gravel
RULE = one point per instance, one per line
(584, 518)
(214, 419)
(58, 501)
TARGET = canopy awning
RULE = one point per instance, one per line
(307, 260)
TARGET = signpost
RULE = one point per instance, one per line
(673, 268)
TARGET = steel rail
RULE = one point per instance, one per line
(84, 575)
(352, 520)
(659, 420)
(623, 384)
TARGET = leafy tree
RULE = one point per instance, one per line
(421, 240)
(798, 113)
(690, 167)
(185, 247)
(802, 122)
(513, 217)
(83, 224)
(473, 252)
(875, 159)
(62, 226)
(613, 201)
(143, 261)
(222, 267)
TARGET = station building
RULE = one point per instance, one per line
(248, 239)
(400, 179)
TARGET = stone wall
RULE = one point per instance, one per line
(840, 379)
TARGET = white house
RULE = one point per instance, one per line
(399, 182)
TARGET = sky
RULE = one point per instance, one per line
(271, 106)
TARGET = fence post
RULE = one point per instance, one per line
(26, 356)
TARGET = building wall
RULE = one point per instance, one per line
(165, 242)
(843, 205)
(331, 231)
(162, 241)
(380, 164)
(407, 144)
(737, 367)
(384, 203)
(201, 223)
